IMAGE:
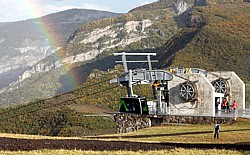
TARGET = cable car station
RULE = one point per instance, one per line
(184, 93)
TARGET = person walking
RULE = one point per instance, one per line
(216, 130)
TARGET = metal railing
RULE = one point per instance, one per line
(162, 109)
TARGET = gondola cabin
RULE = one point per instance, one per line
(136, 105)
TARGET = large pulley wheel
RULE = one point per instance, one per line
(221, 86)
(188, 91)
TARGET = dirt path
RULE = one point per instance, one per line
(14, 144)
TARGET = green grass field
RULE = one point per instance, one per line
(238, 132)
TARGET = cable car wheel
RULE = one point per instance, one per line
(188, 91)
(221, 86)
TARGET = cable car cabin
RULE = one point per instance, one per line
(135, 105)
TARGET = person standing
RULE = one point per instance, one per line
(155, 86)
(216, 130)
(234, 105)
(224, 104)
(228, 106)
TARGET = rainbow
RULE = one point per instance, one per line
(51, 38)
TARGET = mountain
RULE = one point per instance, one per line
(217, 38)
(24, 43)
(208, 34)
(212, 35)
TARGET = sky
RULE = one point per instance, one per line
(16, 10)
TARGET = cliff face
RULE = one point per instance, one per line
(23, 45)
(108, 37)
(181, 6)
(28, 50)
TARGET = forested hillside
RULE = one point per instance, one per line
(69, 114)
(220, 43)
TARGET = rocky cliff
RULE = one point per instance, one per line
(24, 43)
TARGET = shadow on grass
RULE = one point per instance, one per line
(162, 135)
(16, 144)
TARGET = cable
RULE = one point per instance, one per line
(34, 103)
(81, 88)
(59, 103)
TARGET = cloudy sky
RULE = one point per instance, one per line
(15, 10)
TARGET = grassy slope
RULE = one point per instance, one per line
(223, 43)
(236, 133)
(229, 134)
(44, 117)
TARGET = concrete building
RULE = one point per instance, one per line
(200, 93)
(230, 85)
